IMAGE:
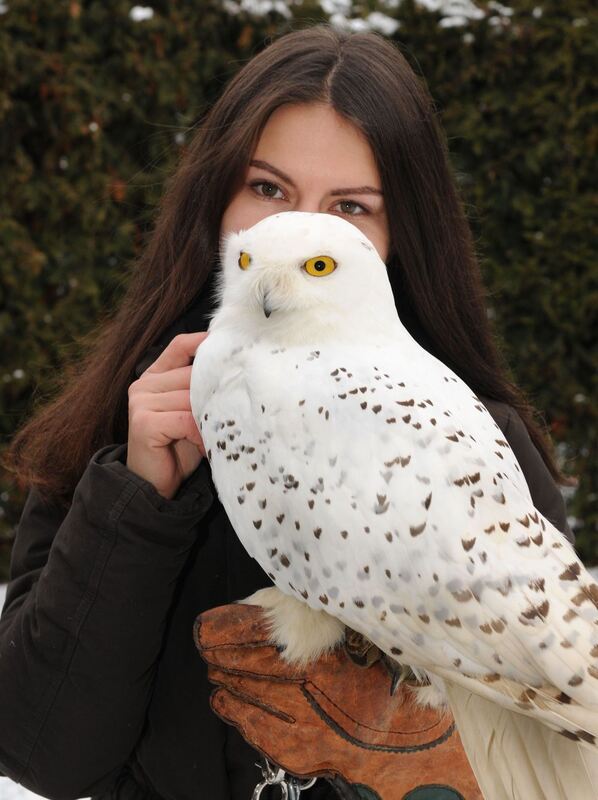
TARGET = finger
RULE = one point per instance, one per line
(282, 742)
(257, 692)
(179, 378)
(179, 352)
(261, 660)
(280, 693)
(178, 400)
(171, 426)
(236, 637)
(231, 624)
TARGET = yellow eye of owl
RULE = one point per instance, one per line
(244, 260)
(320, 265)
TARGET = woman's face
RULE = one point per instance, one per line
(309, 158)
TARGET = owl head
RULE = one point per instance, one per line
(298, 269)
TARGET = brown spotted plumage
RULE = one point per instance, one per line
(467, 583)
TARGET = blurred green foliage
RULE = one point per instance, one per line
(96, 107)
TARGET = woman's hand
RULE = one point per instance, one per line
(331, 718)
(165, 445)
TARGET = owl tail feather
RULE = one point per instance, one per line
(515, 757)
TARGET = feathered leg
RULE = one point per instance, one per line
(303, 633)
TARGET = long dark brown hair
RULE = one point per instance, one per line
(432, 264)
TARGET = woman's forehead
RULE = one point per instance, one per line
(303, 139)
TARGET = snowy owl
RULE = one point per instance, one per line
(377, 492)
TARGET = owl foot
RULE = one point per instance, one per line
(303, 634)
(430, 695)
(398, 673)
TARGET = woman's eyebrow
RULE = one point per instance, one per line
(334, 192)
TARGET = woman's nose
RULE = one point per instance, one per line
(309, 204)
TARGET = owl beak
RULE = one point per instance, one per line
(267, 308)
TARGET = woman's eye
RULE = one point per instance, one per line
(265, 183)
(271, 188)
(355, 205)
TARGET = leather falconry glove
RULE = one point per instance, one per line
(333, 718)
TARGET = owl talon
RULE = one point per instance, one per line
(398, 673)
(360, 650)
(395, 680)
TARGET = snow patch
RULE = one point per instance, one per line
(14, 791)
(140, 13)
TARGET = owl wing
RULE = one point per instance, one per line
(376, 486)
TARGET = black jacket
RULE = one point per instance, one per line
(102, 691)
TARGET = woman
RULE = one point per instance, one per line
(122, 541)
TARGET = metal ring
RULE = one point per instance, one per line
(257, 792)
(273, 775)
